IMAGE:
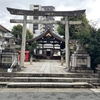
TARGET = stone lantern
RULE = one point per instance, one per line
(9, 56)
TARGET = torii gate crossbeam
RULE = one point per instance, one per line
(44, 22)
(45, 13)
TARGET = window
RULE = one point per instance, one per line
(36, 9)
(36, 5)
(35, 26)
(36, 17)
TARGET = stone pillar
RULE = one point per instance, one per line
(62, 60)
(31, 60)
(88, 61)
(23, 42)
(42, 49)
(67, 43)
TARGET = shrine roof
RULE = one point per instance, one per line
(47, 33)
(4, 29)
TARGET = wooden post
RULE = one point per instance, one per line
(23, 42)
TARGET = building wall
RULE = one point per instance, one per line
(4, 33)
(41, 27)
(36, 27)
(51, 26)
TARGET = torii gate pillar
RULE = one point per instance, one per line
(23, 42)
(67, 43)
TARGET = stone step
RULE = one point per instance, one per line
(70, 75)
(48, 85)
(82, 71)
(48, 79)
(96, 85)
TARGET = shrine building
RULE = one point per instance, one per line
(50, 45)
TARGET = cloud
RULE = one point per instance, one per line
(92, 8)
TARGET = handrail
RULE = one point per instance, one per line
(12, 64)
(11, 67)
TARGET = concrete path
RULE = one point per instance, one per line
(44, 66)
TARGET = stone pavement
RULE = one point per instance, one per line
(49, 94)
(44, 66)
(74, 90)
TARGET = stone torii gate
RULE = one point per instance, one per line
(26, 13)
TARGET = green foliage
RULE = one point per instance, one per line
(74, 30)
(89, 37)
(17, 32)
(29, 35)
(61, 30)
(91, 42)
(31, 47)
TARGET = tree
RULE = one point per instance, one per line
(61, 28)
(17, 32)
(31, 47)
(91, 42)
(89, 37)
(74, 30)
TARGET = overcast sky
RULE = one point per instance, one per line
(92, 8)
